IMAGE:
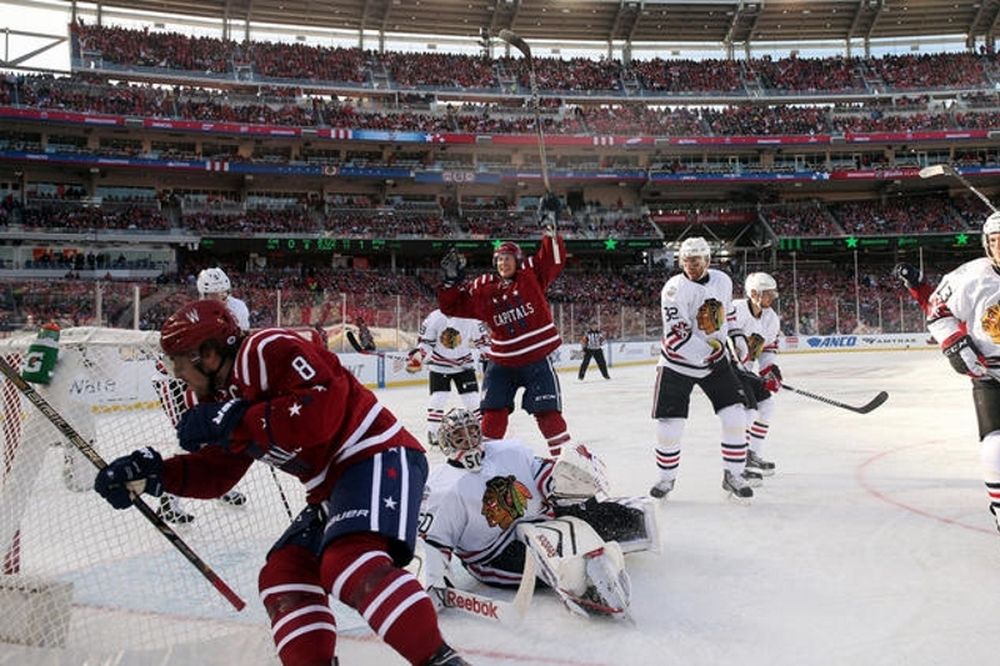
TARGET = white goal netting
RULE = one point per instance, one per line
(78, 576)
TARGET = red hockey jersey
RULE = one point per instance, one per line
(309, 416)
(516, 310)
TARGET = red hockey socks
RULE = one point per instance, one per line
(494, 424)
(553, 426)
(358, 571)
(302, 624)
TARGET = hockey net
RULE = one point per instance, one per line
(80, 577)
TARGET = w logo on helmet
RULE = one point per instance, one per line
(192, 316)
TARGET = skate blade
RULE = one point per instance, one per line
(736, 499)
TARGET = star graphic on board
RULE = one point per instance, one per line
(389, 503)
(295, 409)
(611, 244)
(496, 244)
(961, 239)
(851, 241)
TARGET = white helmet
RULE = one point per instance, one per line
(461, 439)
(213, 281)
(696, 246)
(990, 226)
(759, 282)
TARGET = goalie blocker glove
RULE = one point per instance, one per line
(130, 476)
(965, 357)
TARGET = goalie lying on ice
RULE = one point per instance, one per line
(494, 504)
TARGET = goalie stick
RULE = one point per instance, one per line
(508, 613)
(70, 433)
(869, 406)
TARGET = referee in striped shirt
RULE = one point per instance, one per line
(593, 348)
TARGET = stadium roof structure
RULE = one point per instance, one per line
(670, 21)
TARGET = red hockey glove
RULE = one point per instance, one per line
(771, 375)
(415, 361)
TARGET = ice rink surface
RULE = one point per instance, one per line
(871, 545)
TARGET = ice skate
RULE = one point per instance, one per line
(170, 510)
(445, 656)
(754, 461)
(234, 498)
(662, 488)
(753, 476)
(737, 487)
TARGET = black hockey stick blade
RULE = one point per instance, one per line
(74, 438)
(516, 41)
(869, 406)
(353, 340)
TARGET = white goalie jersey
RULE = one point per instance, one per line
(969, 298)
(760, 335)
(451, 344)
(694, 322)
(458, 517)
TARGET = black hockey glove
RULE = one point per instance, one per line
(549, 209)
(966, 359)
(210, 423)
(908, 274)
(113, 482)
(453, 268)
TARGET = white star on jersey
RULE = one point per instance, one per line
(294, 409)
(389, 503)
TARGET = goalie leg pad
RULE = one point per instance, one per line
(568, 552)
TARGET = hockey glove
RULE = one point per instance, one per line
(130, 476)
(210, 423)
(453, 268)
(966, 359)
(771, 375)
(908, 274)
(415, 361)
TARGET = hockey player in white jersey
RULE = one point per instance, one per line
(448, 346)
(964, 317)
(753, 337)
(213, 283)
(694, 305)
(495, 503)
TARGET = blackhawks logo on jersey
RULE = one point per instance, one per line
(755, 345)
(710, 316)
(504, 500)
(450, 338)
(991, 323)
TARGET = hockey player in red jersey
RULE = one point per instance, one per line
(276, 397)
(512, 304)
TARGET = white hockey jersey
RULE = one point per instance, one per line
(967, 300)
(241, 313)
(760, 335)
(451, 344)
(686, 346)
(453, 518)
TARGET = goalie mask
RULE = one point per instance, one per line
(461, 439)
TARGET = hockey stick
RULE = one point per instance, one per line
(507, 613)
(948, 170)
(353, 340)
(70, 433)
(869, 406)
(518, 42)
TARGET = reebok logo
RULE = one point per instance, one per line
(455, 599)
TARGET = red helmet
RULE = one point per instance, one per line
(508, 247)
(197, 323)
